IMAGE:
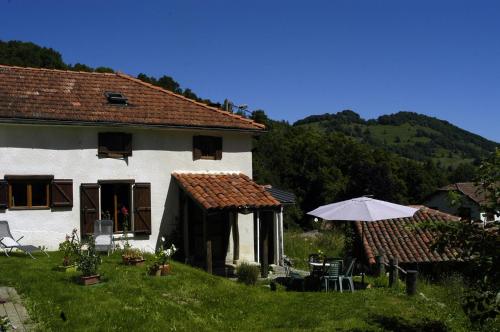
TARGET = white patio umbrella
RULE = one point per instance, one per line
(362, 209)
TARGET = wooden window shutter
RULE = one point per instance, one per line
(142, 208)
(197, 141)
(4, 195)
(61, 193)
(102, 149)
(127, 144)
(218, 148)
(89, 207)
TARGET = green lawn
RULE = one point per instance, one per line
(190, 299)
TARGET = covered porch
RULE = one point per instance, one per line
(225, 219)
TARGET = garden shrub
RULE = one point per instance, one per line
(248, 274)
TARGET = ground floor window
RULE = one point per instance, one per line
(29, 193)
(125, 202)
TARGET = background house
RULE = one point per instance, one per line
(77, 146)
(472, 198)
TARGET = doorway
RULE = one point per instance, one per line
(114, 197)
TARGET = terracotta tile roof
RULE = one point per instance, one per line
(58, 95)
(399, 238)
(225, 190)
(469, 189)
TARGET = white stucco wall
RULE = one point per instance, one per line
(70, 152)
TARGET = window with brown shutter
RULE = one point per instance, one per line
(207, 147)
(62, 193)
(142, 208)
(28, 192)
(114, 145)
(89, 207)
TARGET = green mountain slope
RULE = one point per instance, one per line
(411, 135)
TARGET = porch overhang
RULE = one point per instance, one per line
(225, 191)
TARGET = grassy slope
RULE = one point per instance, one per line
(387, 136)
(192, 300)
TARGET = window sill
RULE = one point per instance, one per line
(19, 208)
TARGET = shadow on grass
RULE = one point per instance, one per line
(391, 323)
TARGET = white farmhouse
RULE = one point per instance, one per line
(76, 147)
(471, 205)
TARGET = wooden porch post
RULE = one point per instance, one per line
(265, 250)
(282, 248)
(275, 238)
(236, 238)
(207, 245)
(257, 236)
(185, 217)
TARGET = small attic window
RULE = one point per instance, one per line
(116, 98)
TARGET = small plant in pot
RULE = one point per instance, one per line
(70, 249)
(88, 263)
(161, 264)
(130, 256)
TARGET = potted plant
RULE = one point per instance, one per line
(88, 263)
(70, 248)
(162, 256)
(130, 256)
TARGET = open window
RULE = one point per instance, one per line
(114, 145)
(116, 205)
(126, 203)
(207, 147)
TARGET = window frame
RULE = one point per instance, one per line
(103, 151)
(202, 143)
(29, 180)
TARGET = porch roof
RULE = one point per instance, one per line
(214, 191)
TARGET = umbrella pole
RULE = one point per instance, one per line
(362, 248)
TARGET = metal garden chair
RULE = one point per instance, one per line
(8, 243)
(103, 236)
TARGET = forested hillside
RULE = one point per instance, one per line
(412, 135)
(324, 158)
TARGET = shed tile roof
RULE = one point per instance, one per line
(284, 197)
(400, 238)
(59, 95)
(225, 191)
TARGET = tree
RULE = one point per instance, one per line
(26, 54)
(260, 116)
(464, 172)
(479, 246)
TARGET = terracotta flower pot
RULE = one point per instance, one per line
(165, 269)
(90, 280)
(133, 261)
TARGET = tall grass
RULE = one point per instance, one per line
(298, 246)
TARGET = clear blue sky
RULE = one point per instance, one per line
(291, 58)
